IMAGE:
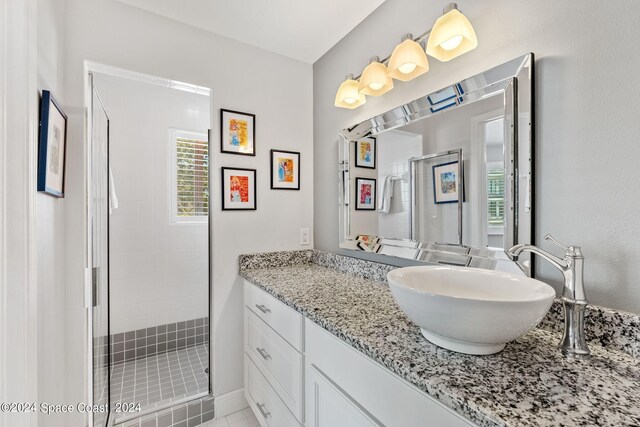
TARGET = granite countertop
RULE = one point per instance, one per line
(529, 383)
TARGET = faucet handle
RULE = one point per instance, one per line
(551, 239)
(572, 251)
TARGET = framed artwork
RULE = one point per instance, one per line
(285, 170)
(237, 132)
(366, 238)
(366, 153)
(238, 189)
(446, 183)
(365, 194)
(52, 146)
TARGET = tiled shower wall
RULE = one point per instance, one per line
(394, 148)
(159, 339)
(158, 268)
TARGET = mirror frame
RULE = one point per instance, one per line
(504, 79)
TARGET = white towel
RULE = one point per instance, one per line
(386, 192)
(113, 198)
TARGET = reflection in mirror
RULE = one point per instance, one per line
(451, 173)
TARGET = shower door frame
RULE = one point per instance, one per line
(88, 273)
(89, 68)
(412, 189)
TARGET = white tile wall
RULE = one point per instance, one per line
(159, 269)
(394, 150)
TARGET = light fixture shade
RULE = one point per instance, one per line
(408, 61)
(375, 79)
(452, 35)
(348, 95)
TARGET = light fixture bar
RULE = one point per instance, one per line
(448, 8)
(450, 36)
(385, 60)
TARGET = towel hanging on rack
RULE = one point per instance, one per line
(386, 193)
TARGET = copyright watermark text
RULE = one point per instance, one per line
(48, 408)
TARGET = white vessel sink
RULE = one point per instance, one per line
(470, 310)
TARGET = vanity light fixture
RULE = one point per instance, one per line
(348, 95)
(452, 35)
(408, 60)
(375, 80)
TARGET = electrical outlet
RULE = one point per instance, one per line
(304, 236)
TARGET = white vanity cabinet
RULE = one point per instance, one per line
(298, 374)
(329, 406)
(273, 361)
(366, 388)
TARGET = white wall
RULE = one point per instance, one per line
(584, 129)
(159, 268)
(50, 230)
(18, 249)
(277, 89)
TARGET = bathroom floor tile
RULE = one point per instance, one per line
(244, 418)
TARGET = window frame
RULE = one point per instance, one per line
(495, 228)
(174, 135)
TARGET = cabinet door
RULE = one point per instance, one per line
(328, 406)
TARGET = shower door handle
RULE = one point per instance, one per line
(94, 287)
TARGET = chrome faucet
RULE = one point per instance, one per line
(574, 300)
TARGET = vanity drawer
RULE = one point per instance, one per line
(284, 320)
(280, 363)
(264, 401)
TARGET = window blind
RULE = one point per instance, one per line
(192, 178)
(496, 197)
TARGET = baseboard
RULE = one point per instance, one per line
(229, 403)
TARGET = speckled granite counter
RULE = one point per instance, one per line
(528, 384)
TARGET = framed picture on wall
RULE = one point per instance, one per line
(285, 170)
(446, 183)
(52, 146)
(238, 189)
(237, 132)
(365, 194)
(366, 153)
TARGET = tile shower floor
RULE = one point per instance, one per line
(156, 380)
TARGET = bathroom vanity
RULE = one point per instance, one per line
(286, 380)
(326, 345)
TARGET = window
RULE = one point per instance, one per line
(495, 187)
(190, 176)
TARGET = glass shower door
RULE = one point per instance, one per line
(99, 208)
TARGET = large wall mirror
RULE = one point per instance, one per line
(448, 177)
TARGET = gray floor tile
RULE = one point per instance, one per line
(157, 379)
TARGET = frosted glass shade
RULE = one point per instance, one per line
(348, 95)
(375, 80)
(451, 36)
(408, 61)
